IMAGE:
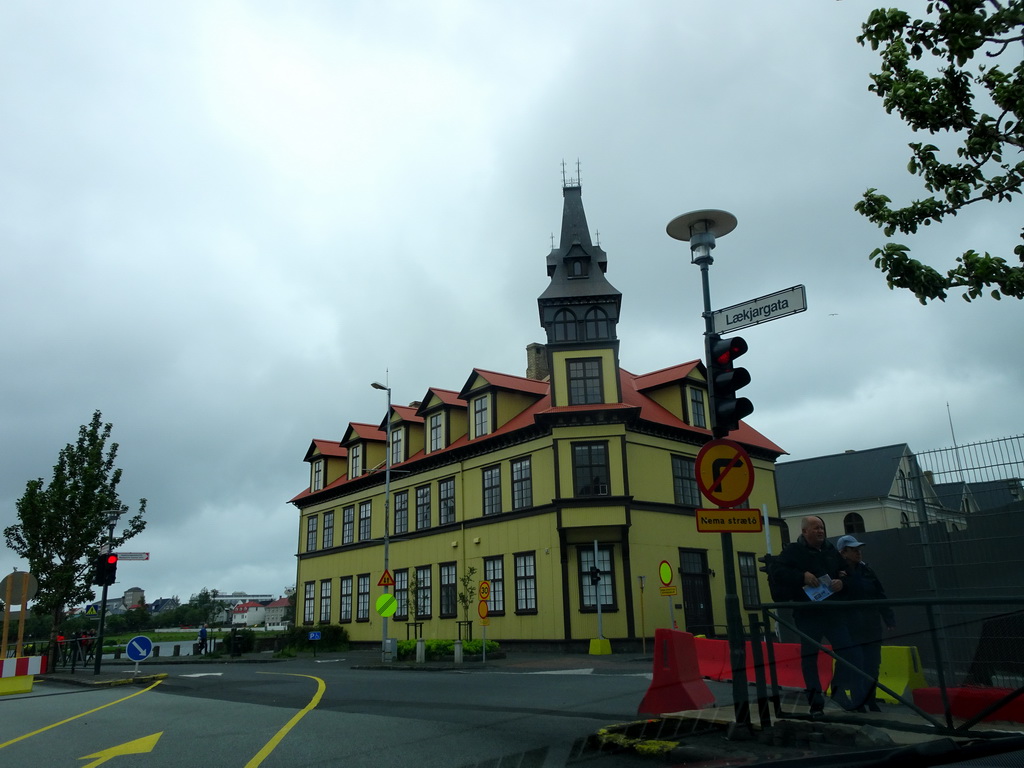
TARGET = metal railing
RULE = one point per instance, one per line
(946, 672)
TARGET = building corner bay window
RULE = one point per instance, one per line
(590, 469)
(605, 588)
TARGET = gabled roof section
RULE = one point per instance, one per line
(653, 412)
(849, 476)
(329, 448)
(361, 431)
(503, 381)
(404, 413)
(443, 397)
(665, 376)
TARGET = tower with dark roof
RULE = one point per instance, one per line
(579, 311)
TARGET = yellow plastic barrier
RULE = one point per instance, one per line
(900, 670)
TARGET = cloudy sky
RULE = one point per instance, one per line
(220, 221)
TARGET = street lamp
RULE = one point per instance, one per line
(385, 652)
(701, 228)
(113, 515)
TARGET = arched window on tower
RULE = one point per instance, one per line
(564, 326)
(853, 523)
(596, 323)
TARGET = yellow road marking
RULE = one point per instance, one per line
(271, 745)
(68, 720)
(136, 747)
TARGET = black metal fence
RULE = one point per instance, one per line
(954, 571)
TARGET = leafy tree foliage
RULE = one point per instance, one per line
(62, 525)
(976, 95)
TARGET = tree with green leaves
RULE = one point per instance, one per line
(62, 526)
(974, 94)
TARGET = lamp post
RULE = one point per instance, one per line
(701, 228)
(112, 517)
(385, 652)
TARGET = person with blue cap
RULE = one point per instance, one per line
(865, 624)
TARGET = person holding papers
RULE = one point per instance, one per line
(811, 569)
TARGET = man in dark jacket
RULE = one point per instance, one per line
(804, 564)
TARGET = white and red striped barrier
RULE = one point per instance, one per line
(23, 665)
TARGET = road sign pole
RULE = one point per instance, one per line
(701, 228)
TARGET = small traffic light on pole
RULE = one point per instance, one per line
(105, 569)
(725, 379)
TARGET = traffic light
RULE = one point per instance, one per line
(105, 569)
(595, 574)
(725, 379)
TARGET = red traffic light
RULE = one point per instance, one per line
(112, 558)
(727, 350)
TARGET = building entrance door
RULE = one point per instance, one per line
(696, 588)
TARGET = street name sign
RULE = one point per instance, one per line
(729, 521)
(782, 303)
(133, 555)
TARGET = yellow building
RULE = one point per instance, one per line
(518, 477)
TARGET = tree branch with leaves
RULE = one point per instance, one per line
(975, 94)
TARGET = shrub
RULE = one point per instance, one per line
(436, 650)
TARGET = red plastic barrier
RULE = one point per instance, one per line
(787, 666)
(714, 663)
(712, 658)
(677, 685)
(965, 703)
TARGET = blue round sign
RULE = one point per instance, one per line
(140, 648)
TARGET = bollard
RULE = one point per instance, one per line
(458, 651)
(176, 651)
(421, 650)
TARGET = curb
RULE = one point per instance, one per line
(102, 683)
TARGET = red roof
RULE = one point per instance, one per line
(633, 397)
(329, 448)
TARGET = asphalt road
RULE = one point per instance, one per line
(324, 712)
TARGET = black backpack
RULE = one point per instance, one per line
(781, 593)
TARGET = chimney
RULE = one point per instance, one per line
(537, 362)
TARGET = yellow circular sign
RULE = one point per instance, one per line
(482, 609)
(665, 573)
(485, 590)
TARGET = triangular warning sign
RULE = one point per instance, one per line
(387, 580)
(91, 610)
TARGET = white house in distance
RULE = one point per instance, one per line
(248, 614)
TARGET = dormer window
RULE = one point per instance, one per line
(481, 416)
(436, 428)
(397, 445)
(577, 268)
(317, 482)
(697, 417)
(355, 461)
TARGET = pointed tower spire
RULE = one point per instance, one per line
(579, 310)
